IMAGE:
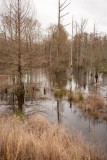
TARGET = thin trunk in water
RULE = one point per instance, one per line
(58, 33)
(58, 111)
(71, 59)
(20, 89)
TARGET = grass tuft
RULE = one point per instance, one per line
(75, 97)
(60, 93)
(95, 115)
(105, 118)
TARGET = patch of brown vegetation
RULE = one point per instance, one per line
(76, 97)
(94, 102)
(34, 138)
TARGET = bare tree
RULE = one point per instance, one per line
(15, 22)
(61, 8)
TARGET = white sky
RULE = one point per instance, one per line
(93, 10)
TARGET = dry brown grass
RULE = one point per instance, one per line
(97, 101)
(94, 102)
(76, 97)
(34, 138)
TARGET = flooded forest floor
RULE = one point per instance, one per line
(82, 109)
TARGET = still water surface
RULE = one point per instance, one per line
(70, 117)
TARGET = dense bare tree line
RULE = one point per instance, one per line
(19, 37)
(88, 49)
(24, 48)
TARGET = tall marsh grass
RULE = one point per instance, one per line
(34, 138)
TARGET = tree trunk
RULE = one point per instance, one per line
(20, 94)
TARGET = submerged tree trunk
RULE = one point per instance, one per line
(20, 96)
(71, 57)
(58, 111)
(20, 91)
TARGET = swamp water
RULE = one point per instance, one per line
(69, 115)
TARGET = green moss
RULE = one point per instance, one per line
(95, 115)
(20, 114)
(60, 93)
(43, 98)
(105, 118)
(103, 69)
(28, 95)
(80, 96)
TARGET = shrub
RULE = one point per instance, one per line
(75, 97)
(95, 115)
(105, 118)
(60, 93)
(80, 96)
(96, 102)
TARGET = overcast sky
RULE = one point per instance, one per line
(93, 10)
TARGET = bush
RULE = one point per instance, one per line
(80, 96)
(105, 118)
(95, 115)
(96, 102)
(75, 97)
(60, 93)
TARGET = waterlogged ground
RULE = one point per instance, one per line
(74, 120)
(71, 116)
(68, 115)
